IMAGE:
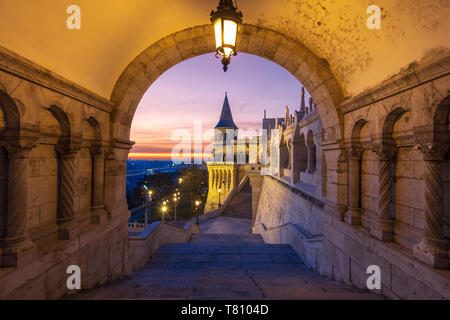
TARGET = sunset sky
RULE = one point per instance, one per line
(194, 90)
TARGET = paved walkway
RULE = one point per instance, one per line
(226, 225)
(225, 266)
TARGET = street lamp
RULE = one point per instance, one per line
(147, 206)
(226, 20)
(175, 199)
(164, 210)
(197, 203)
(147, 198)
(180, 180)
(220, 190)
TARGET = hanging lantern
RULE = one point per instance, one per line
(226, 20)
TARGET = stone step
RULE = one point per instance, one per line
(227, 267)
(221, 237)
(247, 248)
(240, 206)
(238, 215)
(226, 251)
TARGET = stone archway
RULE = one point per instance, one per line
(314, 73)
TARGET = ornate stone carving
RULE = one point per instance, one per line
(433, 249)
(18, 152)
(384, 188)
(17, 246)
(67, 189)
(353, 215)
(433, 151)
(383, 228)
(385, 152)
(433, 200)
(97, 151)
(98, 169)
(355, 153)
(68, 150)
(20, 147)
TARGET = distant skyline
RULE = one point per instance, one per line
(194, 90)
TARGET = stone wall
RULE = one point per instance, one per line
(55, 207)
(392, 216)
(288, 215)
(347, 252)
(142, 246)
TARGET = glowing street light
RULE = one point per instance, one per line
(175, 199)
(164, 210)
(226, 20)
(197, 204)
(220, 191)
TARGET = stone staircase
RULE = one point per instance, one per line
(240, 207)
(225, 266)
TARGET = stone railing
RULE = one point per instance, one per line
(142, 246)
(317, 202)
(137, 227)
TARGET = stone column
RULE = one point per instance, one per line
(67, 205)
(17, 247)
(353, 214)
(433, 250)
(383, 228)
(98, 178)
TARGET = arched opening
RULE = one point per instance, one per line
(96, 169)
(311, 152)
(284, 158)
(62, 128)
(290, 54)
(355, 174)
(392, 181)
(313, 72)
(300, 155)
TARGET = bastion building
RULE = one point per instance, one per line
(362, 175)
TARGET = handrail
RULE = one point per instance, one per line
(298, 228)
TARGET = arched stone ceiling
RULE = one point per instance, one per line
(114, 32)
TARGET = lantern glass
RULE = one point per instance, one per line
(218, 32)
(229, 27)
(230, 32)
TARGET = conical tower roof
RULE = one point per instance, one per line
(226, 118)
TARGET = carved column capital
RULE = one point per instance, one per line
(355, 153)
(433, 151)
(19, 147)
(68, 150)
(385, 152)
(97, 151)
